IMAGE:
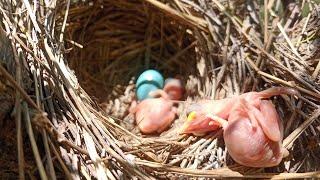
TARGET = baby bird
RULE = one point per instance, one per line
(173, 87)
(252, 133)
(156, 114)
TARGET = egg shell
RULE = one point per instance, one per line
(144, 90)
(150, 76)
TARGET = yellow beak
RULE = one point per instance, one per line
(191, 116)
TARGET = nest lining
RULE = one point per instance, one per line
(107, 43)
(117, 106)
(122, 41)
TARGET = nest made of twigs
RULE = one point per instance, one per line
(72, 67)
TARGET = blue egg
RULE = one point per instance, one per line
(144, 90)
(149, 80)
(150, 76)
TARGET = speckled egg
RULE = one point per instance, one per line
(148, 81)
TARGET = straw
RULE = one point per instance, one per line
(67, 77)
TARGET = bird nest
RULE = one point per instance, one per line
(68, 71)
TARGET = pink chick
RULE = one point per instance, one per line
(198, 123)
(173, 87)
(154, 115)
(253, 133)
(224, 107)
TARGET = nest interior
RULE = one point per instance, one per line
(121, 40)
(118, 40)
(219, 49)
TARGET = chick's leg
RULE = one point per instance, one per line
(255, 97)
(274, 91)
(223, 123)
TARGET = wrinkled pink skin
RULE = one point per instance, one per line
(174, 89)
(253, 133)
(254, 136)
(156, 115)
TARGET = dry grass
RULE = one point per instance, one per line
(75, 121)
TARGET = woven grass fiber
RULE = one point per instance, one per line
(67, 81)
